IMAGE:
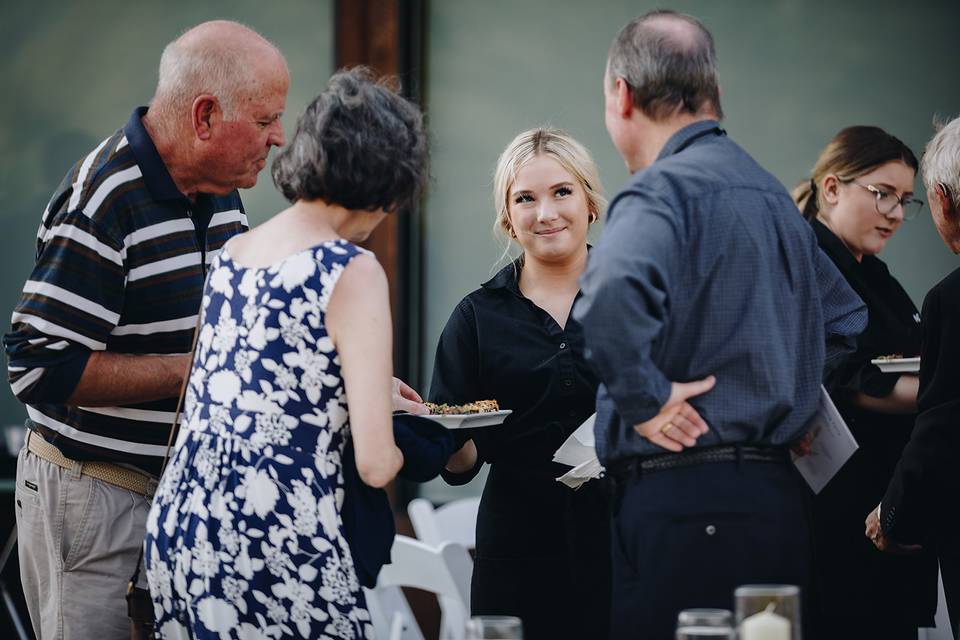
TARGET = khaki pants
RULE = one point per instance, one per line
(78, 541)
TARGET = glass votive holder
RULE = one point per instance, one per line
(705, 623)
(494, 628)
(714, 633)
(705, 618)
(768, 612)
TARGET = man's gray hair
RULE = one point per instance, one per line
(941, 160)
(190, 66)
(669, 62)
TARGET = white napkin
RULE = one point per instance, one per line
(579, 451)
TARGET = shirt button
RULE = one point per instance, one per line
(568, 382)
(563, 345)
(711, 529)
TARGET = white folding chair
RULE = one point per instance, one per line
(439, 570)
(455, 521)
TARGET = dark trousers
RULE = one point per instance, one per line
(686, 538)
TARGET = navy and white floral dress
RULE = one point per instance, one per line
(244, 539)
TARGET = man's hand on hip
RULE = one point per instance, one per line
(678, 425)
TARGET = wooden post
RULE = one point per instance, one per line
(379, 34)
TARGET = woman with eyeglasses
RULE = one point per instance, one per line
(860, 192)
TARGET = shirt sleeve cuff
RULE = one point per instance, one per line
(58, 382)
(639, 407)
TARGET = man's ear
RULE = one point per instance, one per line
(204, 113)
(946, 202)
(624, 99)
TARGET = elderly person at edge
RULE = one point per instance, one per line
(708, 370)
(919, 505)
(96, 350)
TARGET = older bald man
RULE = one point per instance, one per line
(97, 347)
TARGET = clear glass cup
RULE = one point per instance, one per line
(705, 618)
(767, 606)
(697, 633)
(494, 628)
(705, 623)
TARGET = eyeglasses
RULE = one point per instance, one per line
(887, 201)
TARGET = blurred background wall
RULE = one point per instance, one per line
(793, 72)
(72, 73)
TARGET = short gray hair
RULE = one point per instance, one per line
(669, 61)
(359, 144)
(941, 160)
(192, 66)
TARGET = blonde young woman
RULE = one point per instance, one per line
(859, 194)
(542, 549)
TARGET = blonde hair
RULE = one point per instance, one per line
(556, 144)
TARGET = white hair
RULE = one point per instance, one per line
(941, 160)
(216, 58)
(186, 72)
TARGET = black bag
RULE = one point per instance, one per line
(140, 612)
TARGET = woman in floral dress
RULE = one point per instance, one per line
(244, 539)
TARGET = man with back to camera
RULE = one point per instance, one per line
(99, 336)
(919, 505)
(705, 273)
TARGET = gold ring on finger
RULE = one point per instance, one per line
(667, 427)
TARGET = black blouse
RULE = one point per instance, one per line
(853, 579)
(499, 345)
(893, 324)
(541, 547)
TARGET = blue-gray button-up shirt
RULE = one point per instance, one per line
(706, 267)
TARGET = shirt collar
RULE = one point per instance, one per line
(155, 173)
(834, 246)
(507, 278)
(687, 135)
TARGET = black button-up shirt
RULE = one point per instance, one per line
(499, 345)
(894, 322)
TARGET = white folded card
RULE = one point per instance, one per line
(832, 445)
(579, 451)
(579, 446)
(581, 474)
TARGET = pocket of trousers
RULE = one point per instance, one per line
(78, 499)
(655, 542)
(30, 516)
(29, 510)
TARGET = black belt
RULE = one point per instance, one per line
(711, 455)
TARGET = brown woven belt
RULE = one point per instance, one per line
(116, 475)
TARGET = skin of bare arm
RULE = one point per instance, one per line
(358, 321)
(117, 378)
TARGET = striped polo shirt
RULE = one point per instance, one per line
(120, 263)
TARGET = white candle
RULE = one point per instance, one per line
(765, 625)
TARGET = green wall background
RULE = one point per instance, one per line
(792, 73)
(74, 71)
